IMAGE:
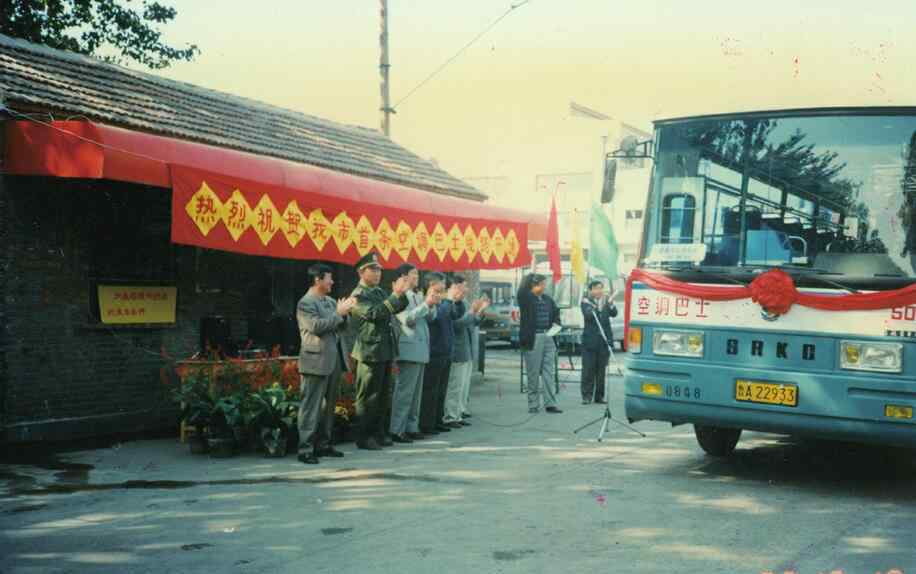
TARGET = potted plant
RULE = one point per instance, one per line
(272, 409)
(197, 406)
(294, 398)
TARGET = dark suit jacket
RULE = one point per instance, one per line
(527, 307)
(591, 334)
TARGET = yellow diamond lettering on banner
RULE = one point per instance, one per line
(512, 246)
(403, 240)
(384, 238)
(484, 245)
(499, 245)
(319, 229)
(455, 242)
(364, 236)
(205, 208)
(470, 243)
(236, 215)
(440, 241)
(266, 220)
(422, 242)
(343, 230)
(293, 224)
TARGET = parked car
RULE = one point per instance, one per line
(499, 321)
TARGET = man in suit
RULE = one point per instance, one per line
(375, 349)
(537, 314)
(435, 376)
(597, 310)
(321, 360)
(459, 377)
(413, 355)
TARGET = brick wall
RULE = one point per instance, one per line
(65, 374)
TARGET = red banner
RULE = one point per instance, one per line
(231, 214)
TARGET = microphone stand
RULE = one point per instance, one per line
(607, 417)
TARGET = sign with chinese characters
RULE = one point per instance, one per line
(677, 252)
(217, 212)
(125, 304)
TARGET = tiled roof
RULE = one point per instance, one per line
(76, 85)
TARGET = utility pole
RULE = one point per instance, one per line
(383, 67)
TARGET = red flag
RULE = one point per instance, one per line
(553, 242)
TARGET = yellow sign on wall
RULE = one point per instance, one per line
(125, 304)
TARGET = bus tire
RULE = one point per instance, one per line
(717, 441)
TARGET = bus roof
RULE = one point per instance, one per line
(819, 111)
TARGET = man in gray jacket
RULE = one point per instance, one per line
(413, 354)
(459, 377)
(321, 361)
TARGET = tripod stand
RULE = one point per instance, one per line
(607, 417)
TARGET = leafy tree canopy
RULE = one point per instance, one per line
(94, 27)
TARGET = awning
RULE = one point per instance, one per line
(237, 201)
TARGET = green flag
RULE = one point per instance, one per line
(602, 252)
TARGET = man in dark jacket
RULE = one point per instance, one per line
(537, 314)
(376, 349)
(597, 311)
(435, 376)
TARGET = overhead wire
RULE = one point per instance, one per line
(445, 64)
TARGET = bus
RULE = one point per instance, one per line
(775, 289)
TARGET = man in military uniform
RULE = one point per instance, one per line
(375, 349)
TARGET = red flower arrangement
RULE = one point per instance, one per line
(774, 291)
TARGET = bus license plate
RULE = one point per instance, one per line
(766, 393)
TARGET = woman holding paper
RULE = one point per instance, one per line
(539, 321)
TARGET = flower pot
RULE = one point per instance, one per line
(292, 439)
(275, 441)
(221, 447)
(244, 439)
(198, 444)
(276, 451)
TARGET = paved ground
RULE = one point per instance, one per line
(509, 494)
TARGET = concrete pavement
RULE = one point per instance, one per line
(512, 493)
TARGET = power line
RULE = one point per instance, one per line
(459, 52)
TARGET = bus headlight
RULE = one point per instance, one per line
(677, 343)
(867, 356)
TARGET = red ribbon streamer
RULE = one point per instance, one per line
(776, 292)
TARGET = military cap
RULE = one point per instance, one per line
(368, 260)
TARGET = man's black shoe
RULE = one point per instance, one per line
(443, 428)
(384, 441)
(417, 435)
(464, 423)
(600, 402)
(553, 410)
(401, 438)
(453, 424)
(308, 458)
(368, 444)
(329, 451)
(586, 402)
(429, 432)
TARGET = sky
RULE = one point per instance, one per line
(499, 114)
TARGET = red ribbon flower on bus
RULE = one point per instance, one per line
(774, 291)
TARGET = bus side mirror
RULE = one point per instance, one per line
(610, 178)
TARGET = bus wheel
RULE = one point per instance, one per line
(717, 441)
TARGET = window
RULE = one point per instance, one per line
(678, 213)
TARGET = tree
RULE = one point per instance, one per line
(93, 27)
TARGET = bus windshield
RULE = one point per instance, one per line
(830, 194)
